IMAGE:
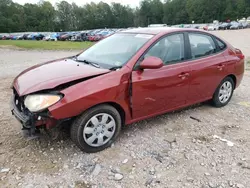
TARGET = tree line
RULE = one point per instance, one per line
(64, 16)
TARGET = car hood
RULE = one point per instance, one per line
(52, 74)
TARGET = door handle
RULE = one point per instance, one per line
(220, 67)
(183, 75)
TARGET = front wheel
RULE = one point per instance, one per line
(223, 93)
(96, 129)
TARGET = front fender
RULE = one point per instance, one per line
(111, 87)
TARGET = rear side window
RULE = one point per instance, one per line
(221, 44)
(201, 45)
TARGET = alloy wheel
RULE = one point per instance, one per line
(225, 92)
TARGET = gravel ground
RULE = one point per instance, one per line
(171, 150)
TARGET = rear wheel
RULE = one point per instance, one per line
(96, 129)
(224, 92)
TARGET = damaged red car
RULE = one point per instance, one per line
(127, 77)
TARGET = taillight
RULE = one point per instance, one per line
(239, 53)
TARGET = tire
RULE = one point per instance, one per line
(223, 101)
(80, 126)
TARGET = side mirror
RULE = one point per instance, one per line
(151, 63)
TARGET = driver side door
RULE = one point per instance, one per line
(155, 91)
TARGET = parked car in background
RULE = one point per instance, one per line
(101, 35)
(91, 37)
(157, 25)
(6, 37)
(245, 25)
(236, 25)
(92, 34)
(205, 28)
(50, 37)
(38, 36)
(85, 35)
(213, 27)
(65, 37)
(31, 37)
(108, 86)
(20, 37)
(25, 36)
(46, 37)
(60, 34)
(1, 37)
(14, 37)
(79, 37)
(224, 26)
(248, 20)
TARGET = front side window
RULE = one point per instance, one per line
(169, 49)
(115, 50)
(201, 45)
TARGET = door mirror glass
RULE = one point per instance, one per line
(151, 63)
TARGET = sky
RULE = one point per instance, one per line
(132, 3)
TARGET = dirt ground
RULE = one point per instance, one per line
(168, 151)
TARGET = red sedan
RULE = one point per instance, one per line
(129, 76)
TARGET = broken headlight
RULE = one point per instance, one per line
(38, 102)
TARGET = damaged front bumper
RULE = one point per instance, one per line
(31, 121)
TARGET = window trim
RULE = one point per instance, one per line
(218, 50)
(140, 59)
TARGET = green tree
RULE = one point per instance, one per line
(175, 12)
(47, 15)
(68, 17)
(64, 15)
(151, 12)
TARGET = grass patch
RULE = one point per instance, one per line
(46, 45)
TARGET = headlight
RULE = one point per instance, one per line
(38, 102)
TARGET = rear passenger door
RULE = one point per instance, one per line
(206, 66)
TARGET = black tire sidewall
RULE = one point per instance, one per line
(84, 118)
(216, 100)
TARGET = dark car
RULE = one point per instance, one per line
(127, 77)
(65, 37)
(60, 34)
(224, 26)
(39, 36)
(83, 36)
(77, 37)
(25, 36)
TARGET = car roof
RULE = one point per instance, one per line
(156, 30)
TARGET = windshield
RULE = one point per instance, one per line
(115, 50)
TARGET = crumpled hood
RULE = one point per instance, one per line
(53, 74)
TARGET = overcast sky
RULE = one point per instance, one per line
(132, 3)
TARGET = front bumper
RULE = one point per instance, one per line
(24, 119)
(28, 119)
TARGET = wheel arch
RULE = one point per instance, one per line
(117, 106)
(234, 79)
